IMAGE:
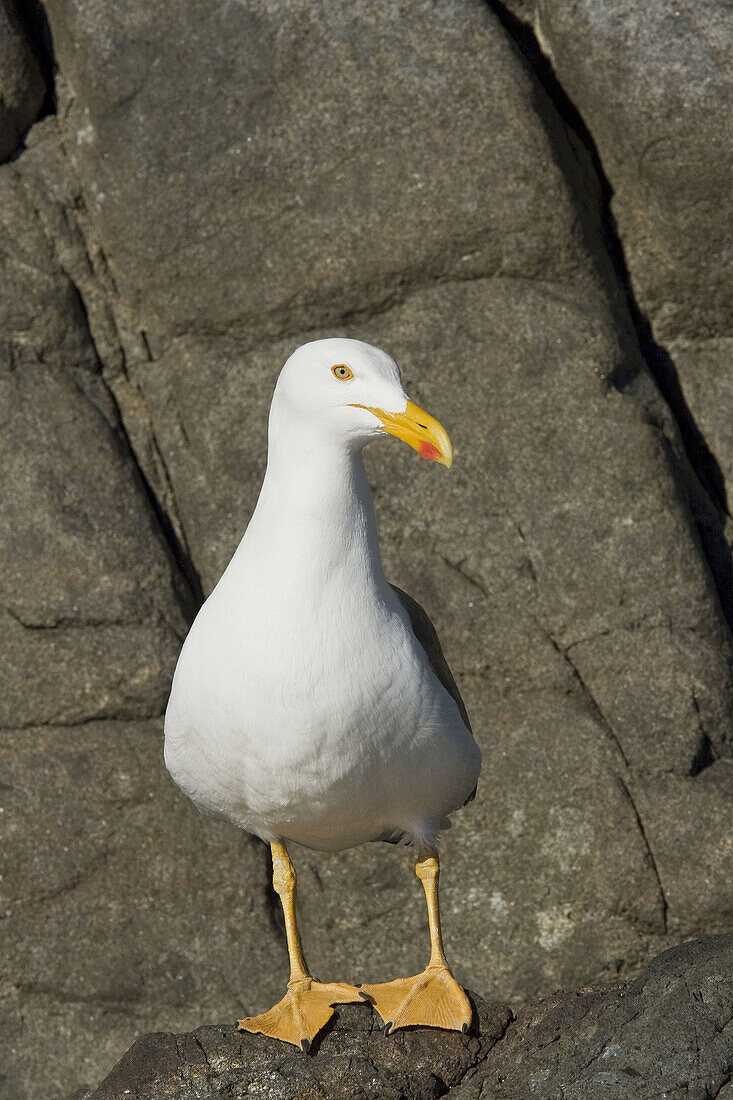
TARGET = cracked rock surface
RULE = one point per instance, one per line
(537, 238)
(667, 1034)
(654, 85)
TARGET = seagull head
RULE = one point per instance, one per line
(352, 392)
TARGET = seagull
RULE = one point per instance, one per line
(311, 701)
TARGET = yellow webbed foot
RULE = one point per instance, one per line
(303, 1011)
(431, 999)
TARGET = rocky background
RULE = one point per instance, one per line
(529, 207)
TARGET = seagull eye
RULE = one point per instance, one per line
(342, 372)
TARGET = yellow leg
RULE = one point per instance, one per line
(433, 998)
(307, 1005)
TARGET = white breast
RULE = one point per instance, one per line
(302, 705)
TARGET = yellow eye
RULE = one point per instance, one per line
(342, 372)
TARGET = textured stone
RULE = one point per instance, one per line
(90, 598)
(352, 1058)
(702, 369)
(528, 555)
(95, 942)
(666, 1034)
(653, 83)
(695, 874)
(407, 182)
(344, 152)
(194, 229)
(122, 909)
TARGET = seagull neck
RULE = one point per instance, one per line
(316, 490)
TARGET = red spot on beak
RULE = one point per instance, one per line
(429, 451)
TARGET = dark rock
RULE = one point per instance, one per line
(695, 875)
(666, 1034)
(351, 1058)
(528, 556)
(22, 88)
(106, 874)
(700, 368)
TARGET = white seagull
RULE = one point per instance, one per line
(312, 701)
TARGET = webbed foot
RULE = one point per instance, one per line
(304, 1010)
(431, 999)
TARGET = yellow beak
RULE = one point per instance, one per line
(418, 428)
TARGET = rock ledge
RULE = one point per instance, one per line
(669, 1033)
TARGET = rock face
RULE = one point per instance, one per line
(654, 86)
(216, 187)
(666, 1034)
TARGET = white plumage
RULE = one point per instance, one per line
(303, 706)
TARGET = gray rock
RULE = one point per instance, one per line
(702, 371)
(666, 1034)
(654, 85)
(695, 875)
(344, 153)
(195, 230)
(122, 909)
(520, 9)
(407, 182)
(97, 934)
(90, 598)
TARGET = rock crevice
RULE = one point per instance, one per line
(694, 454)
